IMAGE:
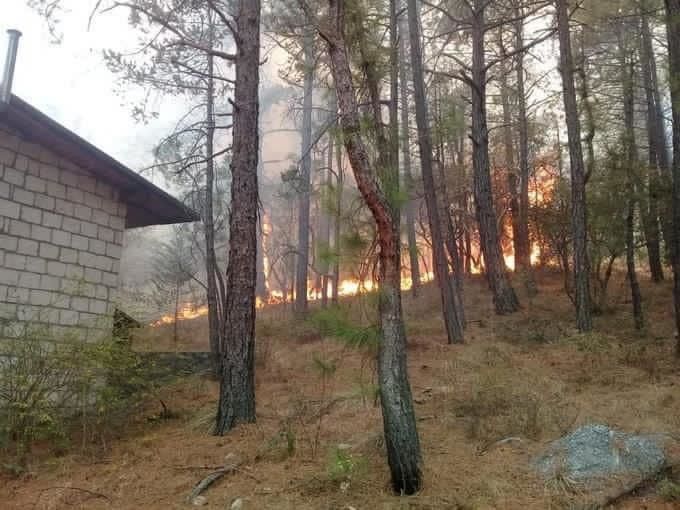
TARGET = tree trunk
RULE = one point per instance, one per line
(509, 149)
(504, 297)
(305, 179)
(409, 206)
(578, 178)
(214, 326)
(175, 325)
(237, 385)
(338, 213)
(326, 225)
(450, 306)
(657, 151)
(673, 30)
(630, 145)
(523, 244)
(401, 436)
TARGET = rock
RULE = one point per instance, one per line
(603, 463)
(344, 447)
(237, 504)
(199, 501)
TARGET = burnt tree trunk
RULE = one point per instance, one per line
(450, 305)
(237, 383)
(581, 269)
(401, 436)
(504, 297)
(673, 30)
(305, 180)
(409, 206)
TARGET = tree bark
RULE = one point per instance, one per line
(656, 153)
(325, 230)
(450, 306)
(209, 225)
(237, 385)
(409, 206)
(673, 31)
(305, 179)
(504, 297)
(630, 145)
(523, 244)
(401, 436)
(509, 149)
(581, 269)
(214, 326)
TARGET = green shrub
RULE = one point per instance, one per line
(52, 386)
(343, 466)
(669, 490)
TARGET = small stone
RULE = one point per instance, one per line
(199, 501)
(344, 447)
(237, 504)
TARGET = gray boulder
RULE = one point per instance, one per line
(601, 463)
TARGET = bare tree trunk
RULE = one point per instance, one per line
(214, 326)
(409, 206)
(508, 145)
(401, 436)
(629, 143)
(305, 179)
(504, 297)
(338, 214)
(175, 325)
(325, 230)
(673, 30)
(450, 306)
(578, 176)
(523, 244)
(237, 384)
(657, 154)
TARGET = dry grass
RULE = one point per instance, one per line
(483, 409)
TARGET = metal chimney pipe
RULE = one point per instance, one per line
(10, 62)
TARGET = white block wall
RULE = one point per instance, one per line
(61, 235)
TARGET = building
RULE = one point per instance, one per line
(64, 209)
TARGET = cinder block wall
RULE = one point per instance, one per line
(61, 236)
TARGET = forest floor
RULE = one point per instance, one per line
(317, 440)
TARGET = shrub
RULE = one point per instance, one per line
(52, 386)
(343, 466)
(669, 490)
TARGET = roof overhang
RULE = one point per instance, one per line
(146, 203)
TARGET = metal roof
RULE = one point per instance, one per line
(146, 203)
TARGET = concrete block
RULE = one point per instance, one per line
(49, 251)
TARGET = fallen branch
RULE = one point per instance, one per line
(210, 479)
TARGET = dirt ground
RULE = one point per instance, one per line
(483, 408)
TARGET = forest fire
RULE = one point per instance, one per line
(188, 311)
(541, 191)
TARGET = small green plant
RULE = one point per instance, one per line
(334, 323)
(669, 490)
(343, 466)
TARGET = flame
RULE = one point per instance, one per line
(541, 191)
(187, 312)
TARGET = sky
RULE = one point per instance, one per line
(70, 82)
